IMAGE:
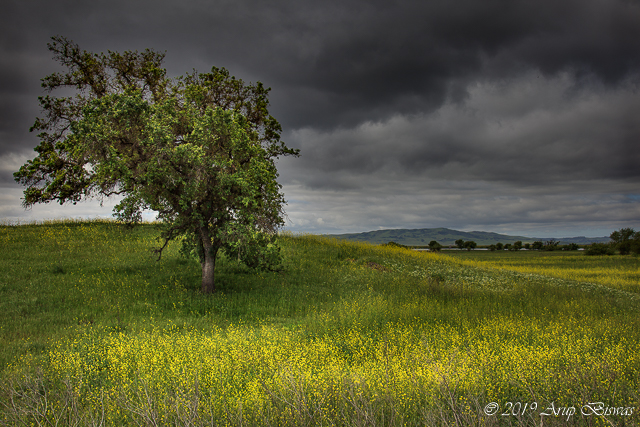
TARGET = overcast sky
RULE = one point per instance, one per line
(521, 117)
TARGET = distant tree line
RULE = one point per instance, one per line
(549, 245)
(624, 241)
(468, 245)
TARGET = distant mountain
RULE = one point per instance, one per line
(446, 237)
(581, 240)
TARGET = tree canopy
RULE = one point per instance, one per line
(470, 245)
(199, 149)
(626, 240)
(435, 246)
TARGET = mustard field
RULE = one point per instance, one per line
(621, 272)
(95, 331)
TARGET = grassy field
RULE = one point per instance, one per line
(620, 272)
(95, 331)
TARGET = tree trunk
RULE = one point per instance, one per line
(209, 262)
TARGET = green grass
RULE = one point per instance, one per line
(346, 334)
(618, 271)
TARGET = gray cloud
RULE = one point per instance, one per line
(527, 129)
(503, 115)
(571, 209)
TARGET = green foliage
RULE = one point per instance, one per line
(599, 249)
(435, 246)
(256, 250)
(537, 245)
(200, 150)
(626, 241)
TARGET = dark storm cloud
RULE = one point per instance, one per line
(406, 112)
(342, 62)
(403, 57)
(529, 130)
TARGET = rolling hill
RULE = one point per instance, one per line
(446, 237)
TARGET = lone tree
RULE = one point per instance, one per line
(199, 149)
(435, 246)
